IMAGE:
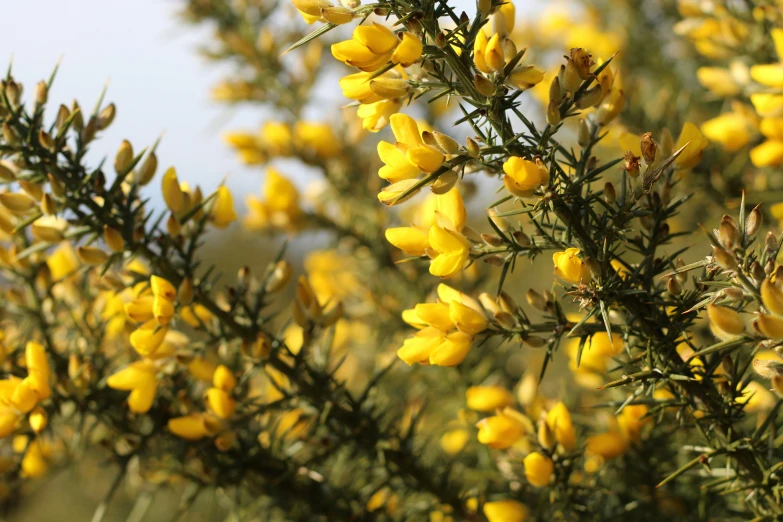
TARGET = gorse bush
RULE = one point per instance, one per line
(517, 317)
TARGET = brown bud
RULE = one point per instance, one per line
(757, 271)
(649, 148)
(725, 260)
(728, 233)
(521, 239)
(610, 195)
(536, 300)
(632, 164)
(492, 240)
(771, 242)
(106, 116)
(673, 286)
(495, 259)
(483, 85)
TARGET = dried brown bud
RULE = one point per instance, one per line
(728, 233)
(521, 239)
(649, 148)
(610, 195)
(536, 300)
(632, 164)
(673, 286)
(492, 240)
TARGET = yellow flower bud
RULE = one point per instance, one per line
(189, 427)
(466, 319)
(221, 403)
(163, 288)
(224, 379)
(124, 158)
(725, 323)
(148, 337)
(172, 193)
(38, 419)
(408, 51)
(488, 398)
(505, 511)
(17, 202)
(559, 421)
(223, 213)
(770, 326)
(607, 445)
(452, 350)
(523, 177)
(113, 238)
(503, 430)
(92, 255)
(772, 297)
(538, 469)
(570, 268)
(337, 15)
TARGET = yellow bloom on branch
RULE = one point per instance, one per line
(569, 267)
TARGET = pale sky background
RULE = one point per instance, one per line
(156, 77)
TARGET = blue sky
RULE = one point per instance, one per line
(156, 77)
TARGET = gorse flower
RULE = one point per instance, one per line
(373, 46)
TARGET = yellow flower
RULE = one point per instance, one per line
(316, 139)
(523, 176)
(691, 156)
(725, 323)
(632, 419)
(488, 398)
(408, 51)
(62, 262)
(280, 207)
(607, 445)
(373, 46)
(767, 104)
(276, 138)
(504, 429)
(223, 212)
(467, 319)
(189, 427)
(38, 369)
(221, 403)
(488, 54)
(140, 378)
(770, 75)
(311, 10)
(417, 349)
(505, 511)
(769, 153)
(452, 350)
(772, 296)
(410, 155)
(375, 116)
(454, 440)
(538, 469)
(718, 80)
(525, 77)
(570, 268)
(148, 337)
(559, 421)
(172, 192)
(452, 249)
(435, 315)
(414, 241)
(732, 130)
